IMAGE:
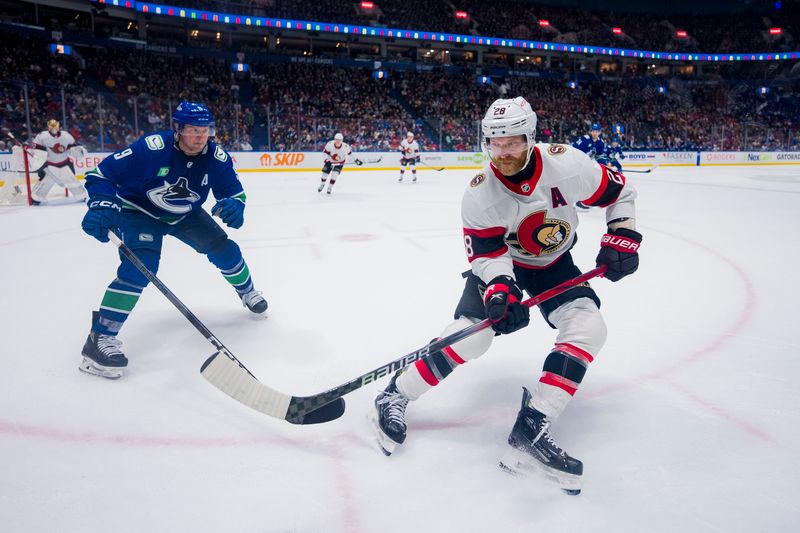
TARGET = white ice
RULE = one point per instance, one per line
(687, 421)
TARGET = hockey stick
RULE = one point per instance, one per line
(232, 377)
(372, 161)
(437, 169)
(647, 171)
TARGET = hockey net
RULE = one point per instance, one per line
(19, 174)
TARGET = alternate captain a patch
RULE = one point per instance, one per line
(477, 180)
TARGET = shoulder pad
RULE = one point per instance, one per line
(477, 180)
(154, 142)
(556, 149)
(220, 154)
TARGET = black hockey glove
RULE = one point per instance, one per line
(502, 301)
(619, 251)
(103, 215)
(417, 159)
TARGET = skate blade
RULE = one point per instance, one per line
(387, 445)
(518, 463)
(88, 366)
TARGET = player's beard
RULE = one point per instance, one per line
(509, 164)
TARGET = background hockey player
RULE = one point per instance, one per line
(409, 148)
(336, 153)
(519, 226)
(58, 169)
(614, 153)
(153, 188)
(592, 144)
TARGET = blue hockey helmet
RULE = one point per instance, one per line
(193, 114)
(615, 139)
(596, 127)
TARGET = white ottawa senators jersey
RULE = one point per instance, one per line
(337, 156)
(410, 150)
(532, 224)
(56, 146)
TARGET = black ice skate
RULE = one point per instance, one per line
(532, 448)
(102, 355)
(389, 418)
(254, 302)
(319, 189)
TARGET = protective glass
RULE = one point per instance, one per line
(188, 130)
(502, 146)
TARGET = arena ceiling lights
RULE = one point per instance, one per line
(369, 31)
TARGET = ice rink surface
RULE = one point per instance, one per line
(688, 420)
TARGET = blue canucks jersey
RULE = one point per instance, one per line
(594, 149)
(614, 153)
(153, 176)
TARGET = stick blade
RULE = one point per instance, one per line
(230, 377)
(234, 380)
(326, 413)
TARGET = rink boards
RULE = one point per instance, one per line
(304, 161)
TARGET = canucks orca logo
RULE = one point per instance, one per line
(176, 198)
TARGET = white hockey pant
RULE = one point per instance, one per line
(581, 333)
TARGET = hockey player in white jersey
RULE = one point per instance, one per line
(336, 153)
(409, 148)
(58, 170)
(519, 221)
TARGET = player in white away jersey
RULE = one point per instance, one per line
(336, 153)
(519, 220)
(58, 169)
(410, 156)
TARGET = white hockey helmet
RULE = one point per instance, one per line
(410, 134)
(338, 137)
(508, 118)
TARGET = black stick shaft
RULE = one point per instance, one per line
(133, 258)
(310, 403)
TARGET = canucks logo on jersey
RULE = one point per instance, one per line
(175, 198)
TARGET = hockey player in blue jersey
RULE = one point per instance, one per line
(592, 145)
(614, 153)
(156, 187)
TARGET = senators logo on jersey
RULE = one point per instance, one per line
(477, 180)
(556, 149)
(537, 235)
